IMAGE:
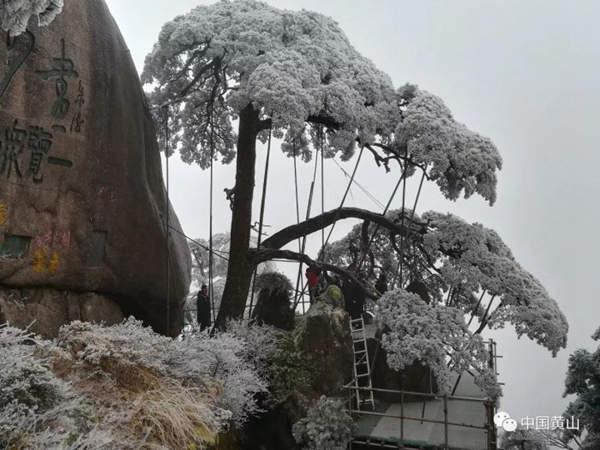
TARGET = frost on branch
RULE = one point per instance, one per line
(295, 67)
(15, 14)
(462, 265)
(299, 70)
(415, 332)
(473, 259)
(459, 159)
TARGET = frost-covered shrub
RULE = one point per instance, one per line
(33, 398)
(15, 14)
(223, 357)
(130, 341)
(262, 343)
(126, 387)
(229, 359)
(415, 332)
(25, 375)
(136, 379)
(326, 426)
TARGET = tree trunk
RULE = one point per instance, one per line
(239, 270)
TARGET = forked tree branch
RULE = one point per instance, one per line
(267, 254)
(317, 223)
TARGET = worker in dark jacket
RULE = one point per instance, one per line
(203, 308)
(355, 299)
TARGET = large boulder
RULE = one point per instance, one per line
(324, 334)
(45, 310)
(82, 200)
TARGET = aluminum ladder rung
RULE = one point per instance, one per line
(361, 359)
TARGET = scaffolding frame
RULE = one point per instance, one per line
(488, 427)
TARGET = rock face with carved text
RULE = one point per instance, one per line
(83, 208)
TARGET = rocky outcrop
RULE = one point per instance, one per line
(82, 202)
(324, 334)
(43, 311)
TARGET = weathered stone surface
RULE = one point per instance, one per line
(324, 333)
(82, 202)
(43, 311)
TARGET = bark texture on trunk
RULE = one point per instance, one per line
(239, 270)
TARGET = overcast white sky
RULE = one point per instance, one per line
(524, 74)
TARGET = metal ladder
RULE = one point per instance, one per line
(362, 370)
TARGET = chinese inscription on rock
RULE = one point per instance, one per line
(24, 151)
(62, 69)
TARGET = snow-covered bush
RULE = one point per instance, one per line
(136, 379)
(127, 387)
(130, 341)
(230, 360)
(326, 426)
(33, 397)
(15, 14)
(262, 342)
(415, 332)
(227, 358)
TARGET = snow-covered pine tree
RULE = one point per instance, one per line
(247, 64)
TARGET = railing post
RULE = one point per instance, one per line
(402, 418)
(491, 428)
(446, 421)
